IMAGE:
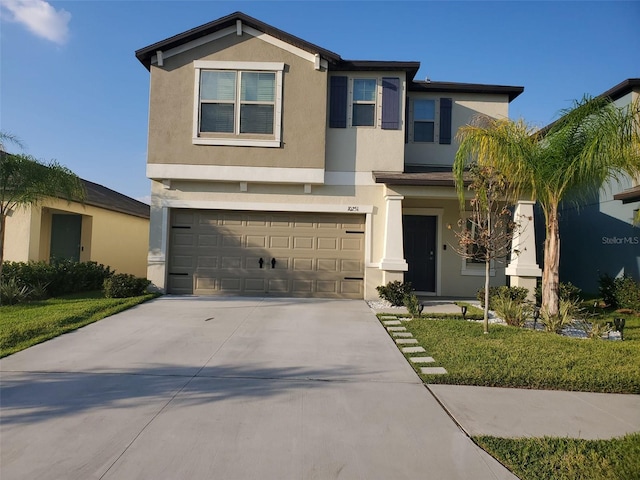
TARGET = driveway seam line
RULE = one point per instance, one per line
(176, 394)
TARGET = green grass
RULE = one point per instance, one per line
(567, 459)
(25, 325)
(522, 358)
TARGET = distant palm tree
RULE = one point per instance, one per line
(592, 143)
(26, 181)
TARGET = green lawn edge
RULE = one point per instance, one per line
(566, 458)
(25, 325)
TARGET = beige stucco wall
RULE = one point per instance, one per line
(114, 239)
(465, 107)
(366, 149)
(172, 109)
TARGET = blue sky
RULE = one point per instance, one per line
(72, 90)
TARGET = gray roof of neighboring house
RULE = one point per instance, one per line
(103, 197)
(336, 62)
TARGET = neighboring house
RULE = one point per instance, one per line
(109, 228)
(280, 168)
(600, 237)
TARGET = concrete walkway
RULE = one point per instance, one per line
(512, 412)
(189, 388)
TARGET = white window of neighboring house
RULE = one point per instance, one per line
(364, 95)
(424, 120)
(475, 265)
(238, 103)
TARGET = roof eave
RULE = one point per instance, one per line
(145, 54)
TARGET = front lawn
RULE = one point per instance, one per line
(567, 458)
(523, 358)
(27, 324)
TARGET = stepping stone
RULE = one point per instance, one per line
(402, 334)
(422, 359)
(391, 322)
(388, 317)
(433, 370)
(404, 341)
(396, 329)
(413, 350)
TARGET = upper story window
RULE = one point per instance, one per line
(431, 120)
(364, 102)
(369, 101)
(238, 103)
(424, 120)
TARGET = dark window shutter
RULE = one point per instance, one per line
(338, 102)
(445, 120)
(391, 103)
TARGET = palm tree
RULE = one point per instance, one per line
(592, 143)
(26, 181)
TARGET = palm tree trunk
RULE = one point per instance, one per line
(550, 274)
(2, 226)
(485, 322)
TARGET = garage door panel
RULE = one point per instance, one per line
(327, 265)
(316, 254)
(279, 242)
(303, 243)
(303, 264)
(327, 243)
(206, 261)
(351, 244)
(231, 262)
(208, 240)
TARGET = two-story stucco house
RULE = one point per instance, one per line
(280, 168)
(600, 237)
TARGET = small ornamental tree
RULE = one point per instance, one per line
(485, 234)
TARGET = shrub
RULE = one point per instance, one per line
(413, 305)
(513, 311)
(607, 288)
(394, 292)
(517, 294)
(60, 277)
(621, 292)
(567, 311)
(123, 285)
(12, 292)
(566, 291)
(627, 293)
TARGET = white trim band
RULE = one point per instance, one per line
(235, 174)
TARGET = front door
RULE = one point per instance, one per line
(419, 233)
(65, 237)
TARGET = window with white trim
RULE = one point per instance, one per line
(238, 103)
(424, 120)
(473, 263)
(364, 94)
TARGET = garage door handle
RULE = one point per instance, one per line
(260, 262)
(273, 263)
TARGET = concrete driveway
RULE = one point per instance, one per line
(195, 388)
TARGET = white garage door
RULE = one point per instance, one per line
(266, 253)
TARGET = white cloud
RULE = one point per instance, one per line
(40, 18)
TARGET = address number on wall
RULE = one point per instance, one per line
(353, 208)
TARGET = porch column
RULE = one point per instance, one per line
(523, 268)
(393, 254)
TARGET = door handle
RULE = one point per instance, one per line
(260, 262)
(273, 263)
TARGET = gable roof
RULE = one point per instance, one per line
(103, 197)
(334, 61)
(145, 54)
